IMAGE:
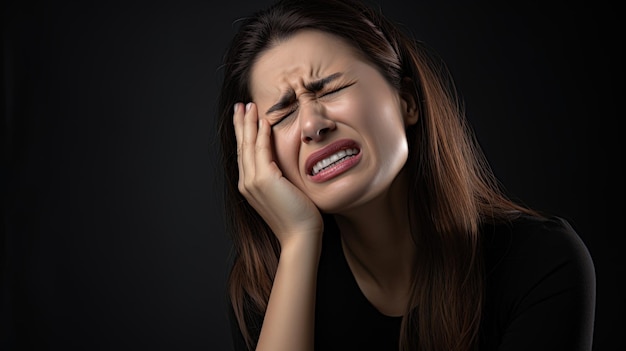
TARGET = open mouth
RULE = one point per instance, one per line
(333, 160)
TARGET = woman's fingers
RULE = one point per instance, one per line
(238, 117)
(250, 130)
(254, 153)
(264, 161)
(284, 207)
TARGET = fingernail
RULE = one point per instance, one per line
(248, 105)
(236, 107)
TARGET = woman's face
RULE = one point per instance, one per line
(338, 127)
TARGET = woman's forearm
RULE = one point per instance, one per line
(290, 316)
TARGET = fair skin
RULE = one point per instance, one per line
(315, 97)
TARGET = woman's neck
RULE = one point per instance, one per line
(379, 248)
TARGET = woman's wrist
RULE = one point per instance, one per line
(302, 245)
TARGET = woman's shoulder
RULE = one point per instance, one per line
(531, 235)
(539, 277)
(533, 238)
(535, 252)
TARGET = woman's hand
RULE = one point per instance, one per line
(284, 207)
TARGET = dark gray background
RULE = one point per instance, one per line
(111, 230)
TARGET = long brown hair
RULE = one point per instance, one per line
(453, 190)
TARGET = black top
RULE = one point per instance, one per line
(540, 294)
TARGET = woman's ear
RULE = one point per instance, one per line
(409, 101)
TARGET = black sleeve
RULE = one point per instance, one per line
(548, 297)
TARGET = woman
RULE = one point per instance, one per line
(362, 212)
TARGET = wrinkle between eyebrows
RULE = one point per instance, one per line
(313, 86)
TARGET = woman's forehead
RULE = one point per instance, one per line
(304, 57)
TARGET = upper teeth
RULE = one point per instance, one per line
(332, 159)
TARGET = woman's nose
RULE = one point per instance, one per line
(314, 123)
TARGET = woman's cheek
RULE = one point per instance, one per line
(341, 108)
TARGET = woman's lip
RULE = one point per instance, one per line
(336, 169)
(328, 151)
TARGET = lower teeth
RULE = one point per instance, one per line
(332, 164)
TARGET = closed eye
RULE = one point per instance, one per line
(294, 107)
(333, 91)
(290, 112)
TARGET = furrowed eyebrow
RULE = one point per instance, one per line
(319, 84)
(314, 86)
(284, 101)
